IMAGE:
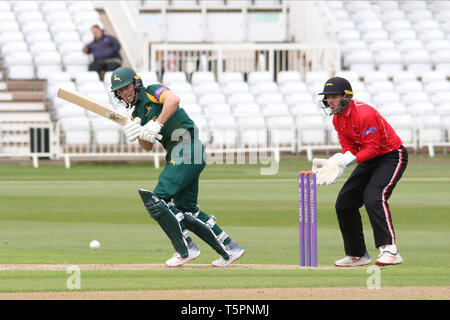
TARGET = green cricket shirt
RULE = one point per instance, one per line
(149, 106)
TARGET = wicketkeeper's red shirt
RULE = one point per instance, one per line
(364, 132)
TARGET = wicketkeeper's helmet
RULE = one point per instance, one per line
(122, 77)
(340, 86)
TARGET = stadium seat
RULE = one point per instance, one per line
(392, 15)
(397, 24)
(402, 35)
(76, 130)
(349, 75)
(37, 36)
(430, 129)
(422, 108)
(33, 26)
(407, 87)
(379, 46)
(375, 76)
(298, 97)
(406, 45)
(235, 87)
(288, 76)
(311, 131)
(440, 97)
(173, 76)
(316, 76)
(306, 108)
(202, 88)
(399, 77)
(227, 77)
(432, 76)
(246, 109)
(264, 87)
(360, 62)
(413, 97)
(200, 77)
(92, 86)
(404, 126)
(243, 97)
(392, 108)
(48, 6)
(418, 61)
(70, 46)
(85, 77)
(293, 87)
(148, 77)
(282, 132)
(272, 97)
(47, 63)
(193, 108)
(372, 36)
(389, 62)
(275, 109)
(44, 46)
(209, 98)
(433, 87)
(187, 97)
(380, 86)
(259, 76)
(178, 87)
(216, 109)
(381, 98)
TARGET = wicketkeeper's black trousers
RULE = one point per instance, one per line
(370, 184)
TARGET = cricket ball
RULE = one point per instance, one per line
(94, 245)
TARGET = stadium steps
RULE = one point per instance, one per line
(23, 106)
(108, 27)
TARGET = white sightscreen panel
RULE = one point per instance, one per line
(184, 27)
(266, 26)
(225, 27)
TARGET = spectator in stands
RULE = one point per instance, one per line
(368, 139)
(105, 49)
(156, 116)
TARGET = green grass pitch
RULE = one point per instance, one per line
(48, 215)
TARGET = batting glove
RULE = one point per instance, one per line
(150, 132)
(132, 130)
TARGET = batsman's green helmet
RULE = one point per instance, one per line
(121, 77)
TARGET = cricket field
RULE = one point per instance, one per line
(49, 215)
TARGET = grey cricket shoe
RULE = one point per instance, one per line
(178, 261)
(234, 252)
(353, 261)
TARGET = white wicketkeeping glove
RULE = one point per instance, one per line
(333, 168)
(150, 132)
(132, 130)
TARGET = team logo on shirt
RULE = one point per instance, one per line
(369, 131)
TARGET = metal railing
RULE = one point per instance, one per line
(245, 57)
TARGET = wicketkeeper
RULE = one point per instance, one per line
(156, 115)
(367, 139)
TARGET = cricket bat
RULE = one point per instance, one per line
(95, 106)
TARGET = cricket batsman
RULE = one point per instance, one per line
(367, 139)
(156, 115)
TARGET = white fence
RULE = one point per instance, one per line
(26, 139)
(42, 140)
(219, 58)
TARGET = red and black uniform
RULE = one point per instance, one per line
(381, 159)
